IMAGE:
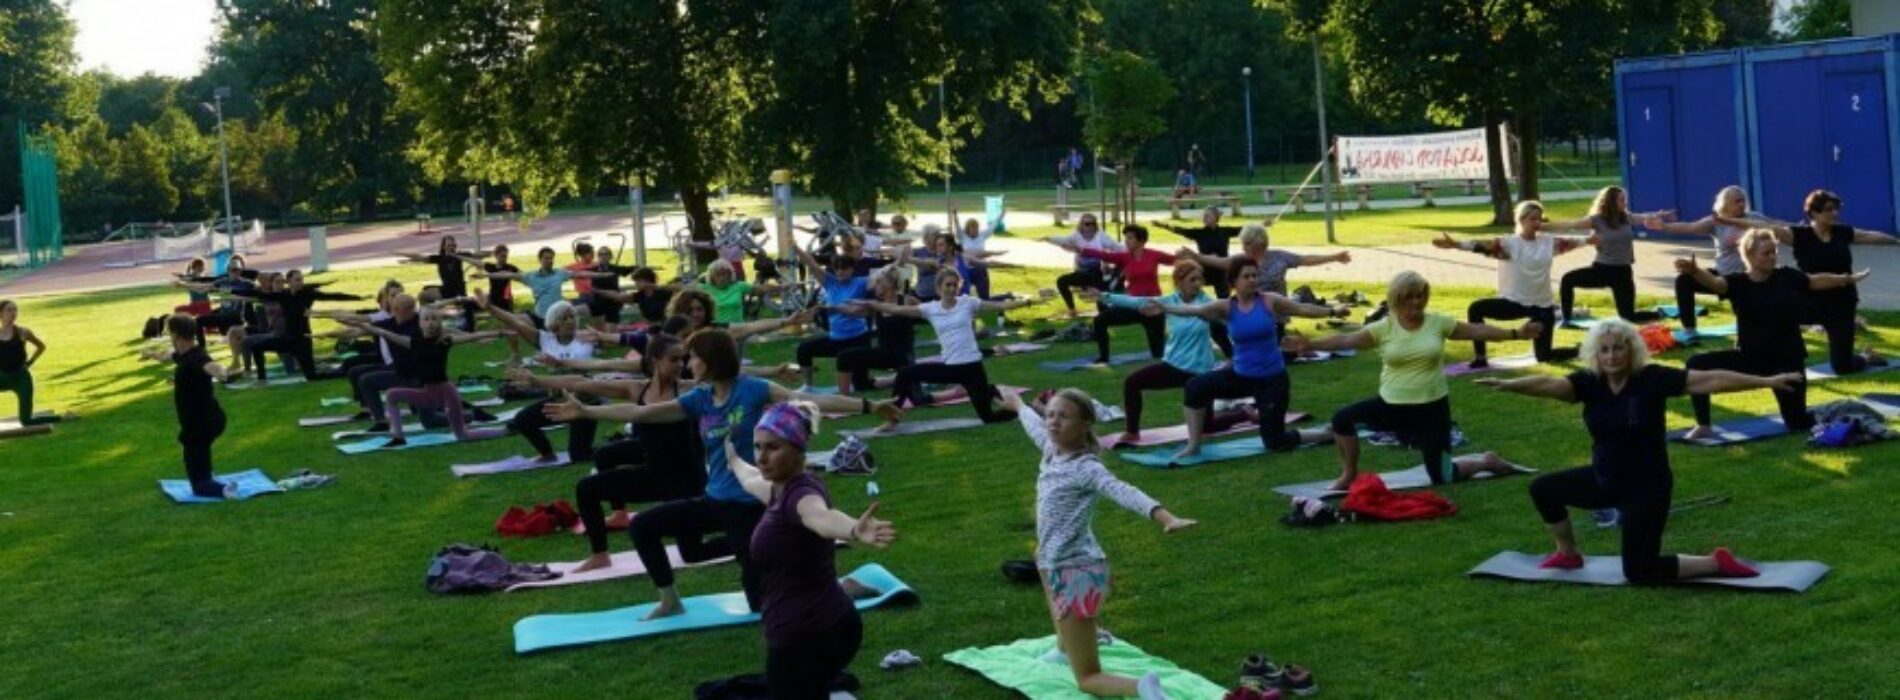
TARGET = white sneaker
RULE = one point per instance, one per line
(1149, 687)
(1056, 657)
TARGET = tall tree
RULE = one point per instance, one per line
(36, 76)
(854, 103)
(141, 171)
(562, 94)
(1812, 20)
(315, 64)
(1128, 97)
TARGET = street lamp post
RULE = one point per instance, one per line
(1246, 100)
(218, 96)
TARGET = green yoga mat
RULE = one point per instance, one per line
(540, 632)
(1019, 667)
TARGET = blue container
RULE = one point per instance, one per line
(1824, 115)
(1681, 130)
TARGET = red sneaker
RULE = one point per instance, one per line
(1560, 560)
(1730, 567)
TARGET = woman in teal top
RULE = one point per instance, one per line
(1190, 351)
(1414, 400)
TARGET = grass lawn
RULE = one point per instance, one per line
(110, 589)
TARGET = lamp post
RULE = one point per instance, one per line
(1246, 101)
(218, 97)
(943, 135)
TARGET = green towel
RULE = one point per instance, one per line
(1019, 667)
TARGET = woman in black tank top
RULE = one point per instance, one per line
(15, 365)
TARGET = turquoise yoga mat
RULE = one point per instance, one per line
(415, 440)
(1723, 331)
(250, 483)
(542, 632)
(1241, 448)
(1670, 311)
(1019, 666)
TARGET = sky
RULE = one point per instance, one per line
(133, 37)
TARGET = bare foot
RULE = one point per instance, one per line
(597, 560)
(665, 608)
(1496, 465)
(1342, 484)
(619, 520)
(887, 427)
(1186, 451)
(1700, 432)
(1128, 439)
(858, 591)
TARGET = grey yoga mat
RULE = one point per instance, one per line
(916, 427)
(1402, 480)
(1797, 576)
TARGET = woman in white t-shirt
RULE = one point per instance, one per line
(953, 317)
(1524, 260)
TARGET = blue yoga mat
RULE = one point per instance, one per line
(1082, 362)
(539, 632)
(1241, 448)
(250, 483)
(415, 440)
(1670, 311)
(1738, 431)
(1682, 335)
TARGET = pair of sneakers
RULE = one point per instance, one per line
(1266, 680)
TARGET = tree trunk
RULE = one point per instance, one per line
(365, 207)
(1500, 187)
(699, 212)
(1529, 132)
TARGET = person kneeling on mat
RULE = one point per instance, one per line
(1625, 405)
(1073, 566)
(812, 630)
(200, 418)
(1414, 399)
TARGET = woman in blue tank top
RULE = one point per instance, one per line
(1258, 370)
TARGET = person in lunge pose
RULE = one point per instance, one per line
(16, 366)
(200, 418)
(1611, 231)
(1625, 405)
(1414, 400)
(953, 317)
(1074, 568)
(1524, 260)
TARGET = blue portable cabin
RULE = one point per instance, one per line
(1824, 116)
(1681, 129)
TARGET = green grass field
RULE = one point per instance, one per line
(111, 590)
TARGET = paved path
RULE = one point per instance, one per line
(373, 245)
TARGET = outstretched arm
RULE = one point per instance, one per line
(394, 338)
(508, 319)
(741, 331)
(1341, 257)
(1539, 385)
(1355, 340)
(1213, 311)
(1784, 234)
(1867, 237)
(1721, 381)
(569, 409)
(889, 308)
(886, 409)
(1482, 331)
(1010, 305)
(1824, 281)
(1284, 307)
(1488, 247)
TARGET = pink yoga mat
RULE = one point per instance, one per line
(1151, 437)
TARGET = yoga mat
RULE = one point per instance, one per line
(250, 483)
(1582, 324)
(1085, 362)
(1738, 431)
(1151, 437)
(334, 401)
(1019, 666)
(1497, 363)
(1324, 355)
(1794, 576)
(500, 418)
(320, 421)
(1210, 452)
(1012, 349)
(625, 565)
(415, 440)
(1402, 480)
(280, 381)
(958, 401)
(540, 632)
(1682, 335)
(14, 423)
(917, 427)
(516, 463)
(17, 431)
(1670, 311)
(489, 402)
(1826, 371)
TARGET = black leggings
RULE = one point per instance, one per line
(1270, 397)
(687, 522)
(974, 380)
(531, 421)
(1507, 310)
(1620, 279)
(829, 347)
(297, 348)
(626, 472)
(1686, 289)
(1088, 277)
(196, 438)
(1839, 323)
(1426, 427)
(1154, 326)
(1793, 404)
(858, 362)
(804, 671)
(20, 382)
(1155, 377)
(1643, 518)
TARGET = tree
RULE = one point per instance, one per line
(853, 96)
(1744, 22)
(314, 64)
(140, 100)
(1813, 20)
(560, 94)
(141, 173)
(36, 69)
(1127, 95)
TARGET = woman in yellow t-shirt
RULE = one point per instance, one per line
(1414, 401)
